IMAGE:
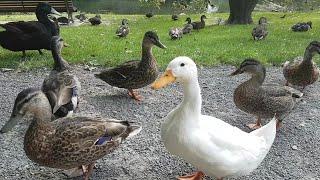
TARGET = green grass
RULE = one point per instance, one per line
(210, 46)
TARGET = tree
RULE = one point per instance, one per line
(240, 11)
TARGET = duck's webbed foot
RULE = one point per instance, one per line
(87, 170)
(256, 125)
(195, 176)
(135, 95)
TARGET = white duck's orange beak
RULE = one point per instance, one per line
(166, 79)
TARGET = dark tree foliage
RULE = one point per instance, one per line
(240, 11)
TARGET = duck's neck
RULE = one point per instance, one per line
(256, 80)
(147, 59)
(192, 97)
(43, 18)
(59, 63)
(308, 54)
(41, 121)
(50, 26)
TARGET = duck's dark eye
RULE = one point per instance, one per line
(182, 64)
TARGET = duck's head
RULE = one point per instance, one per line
(263, 20)
(124, 21)
(57, 43)
(310, 24)
(250, 66)
(151, 38)
(188, 20)
(181, 69)
(314, 47)
(27, 101)
(203, 17)
(46, 9)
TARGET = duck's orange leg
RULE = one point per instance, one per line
(195, 176)
(134, 95)
(256, 125)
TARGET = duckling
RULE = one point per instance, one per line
(137, 73)
(263, 101)
(188, 27)
(260, 31)
(302, 27)
(124, 29)
(201, 24)
(81, 17)
(69, 142)
(149, 15)
(213, 146)
(95, 20)
(174, 17)
(175, 33)
(302, 71)
(62, 87)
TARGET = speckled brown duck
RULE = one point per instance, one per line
(70, 142)
(260, 31)
(124, 29)
(302, 71)
(262, 100)
(62, 87)
(137, 73)
(188, 27)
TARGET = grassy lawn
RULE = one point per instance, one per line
(213, 45)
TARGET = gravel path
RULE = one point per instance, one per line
(295, 153)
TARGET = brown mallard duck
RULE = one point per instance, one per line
(95, 20)
(302, 26)
(124, 29)
(199, 25)
(31, 35)
(62, 87)
(188, 27)
(262, 100)
(137, 73)
(70, 142)
(260, 31)
(302, 71)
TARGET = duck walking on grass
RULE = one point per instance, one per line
(188, 27)
(262, 100)
(124, 29)
(95, 20)
(199, 25)
(302, 27)
(62, 87)
(137, 73)
(71, 142)
(31, 35)
(175, 33)
(302, 71)
(260, 31)
(213, 146)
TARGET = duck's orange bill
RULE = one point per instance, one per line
(164, 80)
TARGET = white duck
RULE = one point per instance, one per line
(216, 148)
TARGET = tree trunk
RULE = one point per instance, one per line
(240, 11)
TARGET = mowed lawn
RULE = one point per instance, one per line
(226, 44)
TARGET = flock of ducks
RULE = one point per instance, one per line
(59, 139)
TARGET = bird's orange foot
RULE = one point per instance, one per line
(254, 126)
(279, 124)
(133, 94)
(195, 176)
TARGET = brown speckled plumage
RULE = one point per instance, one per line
(263, 101)
(302, 71)
(260, 31)
(137, 73)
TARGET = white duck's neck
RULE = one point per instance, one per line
(192, 97)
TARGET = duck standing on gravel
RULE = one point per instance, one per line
(188, 27)
(213, 146)
(199, 25)
(62, 87)
(70, 143)
(124, 29)
(263, 101)
(137, 73)
(302, 27)
(260, 31)
(95, 20)
(31, 35)
(302, 71)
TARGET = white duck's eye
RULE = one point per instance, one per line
(182, 64)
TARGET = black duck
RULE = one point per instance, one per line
(95, 20)
(137, 73)
(302, 27)
(262, 101)
(124, 29)
(188, 27)
(302, 71)
(199, 25)
(62, 87)
(149, 15)
(174, 17)
(260, 31)
(63, 20)
(70, 142)
(31, 35)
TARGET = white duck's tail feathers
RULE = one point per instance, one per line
(268, 131)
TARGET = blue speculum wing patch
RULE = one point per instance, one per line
(103, 139)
